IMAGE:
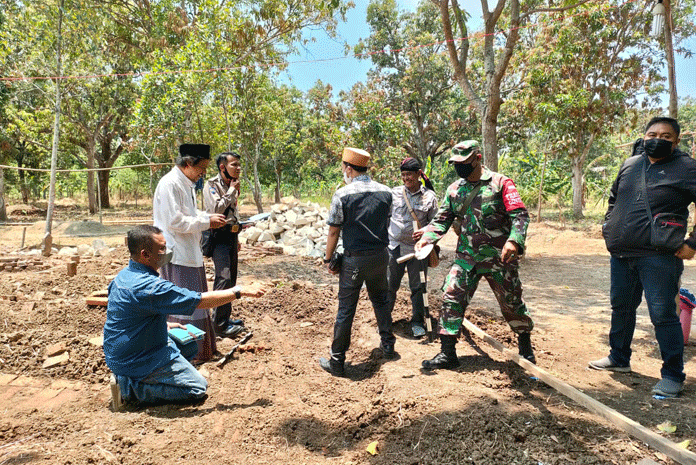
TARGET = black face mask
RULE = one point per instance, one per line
(657, 148)
(226, 174)
(464, 170)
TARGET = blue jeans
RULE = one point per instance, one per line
(178, 381)
(657, 276)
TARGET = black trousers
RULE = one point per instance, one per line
(371, 270)
(225, 258)
(396, 273)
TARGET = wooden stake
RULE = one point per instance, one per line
(72, 268)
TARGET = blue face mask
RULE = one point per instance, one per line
(464, 170)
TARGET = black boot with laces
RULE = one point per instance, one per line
(447, 358)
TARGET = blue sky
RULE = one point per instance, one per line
(342, 72)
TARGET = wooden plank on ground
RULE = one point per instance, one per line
(638, 431)
(97, 301)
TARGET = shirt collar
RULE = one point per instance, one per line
(135, 266)
(419, 191)
(486, 174)
(182, 177)
(362, 177)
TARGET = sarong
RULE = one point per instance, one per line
(193, 279)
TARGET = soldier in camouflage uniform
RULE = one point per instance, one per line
(492, 231)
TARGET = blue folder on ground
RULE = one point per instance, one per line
(184, 336)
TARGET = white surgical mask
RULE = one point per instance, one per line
(346, 179)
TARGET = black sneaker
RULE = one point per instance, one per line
(230, 331)
(334, 367)
(441, 360)
(387, 350)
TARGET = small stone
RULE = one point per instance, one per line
(28, 306)
(61, 359)
(67, 251)
(55, 349)
(97, 341)
(265, 236)
(291, 217)
(84, 249)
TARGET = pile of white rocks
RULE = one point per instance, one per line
(97, 249)
(298, 227)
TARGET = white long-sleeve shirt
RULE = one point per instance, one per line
(174, 212)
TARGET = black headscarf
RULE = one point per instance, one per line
(411, 164)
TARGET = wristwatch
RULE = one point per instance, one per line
(237, 292)
(326, 261)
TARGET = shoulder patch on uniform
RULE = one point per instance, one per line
(511, 198)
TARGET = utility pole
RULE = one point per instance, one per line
(48, 238)
(669, 52)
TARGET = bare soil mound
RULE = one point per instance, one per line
(273, 404)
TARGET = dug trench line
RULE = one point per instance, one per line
(633, 428)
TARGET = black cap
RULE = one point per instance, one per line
(200, 151)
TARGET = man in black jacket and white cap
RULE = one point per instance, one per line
(650, 197)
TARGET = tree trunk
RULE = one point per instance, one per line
(23, 189)
(103, 178)
(91, 197)
(541, 185)
(277, 186)
(489, 130)
(3, 206)
(228, 130)
(257, 184)
(577, 182)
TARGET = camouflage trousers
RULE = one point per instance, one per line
(460, 285)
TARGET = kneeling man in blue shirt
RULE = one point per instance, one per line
(146, 363)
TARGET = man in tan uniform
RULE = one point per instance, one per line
(220, 196)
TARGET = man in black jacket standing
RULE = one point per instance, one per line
(651, 195)
(360, 212)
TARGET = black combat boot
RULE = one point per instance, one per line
(447, 358)
(333, 366)
(524, 344)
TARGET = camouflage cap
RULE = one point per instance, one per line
(464, 151)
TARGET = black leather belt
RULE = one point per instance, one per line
(362, 253)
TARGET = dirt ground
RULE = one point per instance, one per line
(272, 404)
